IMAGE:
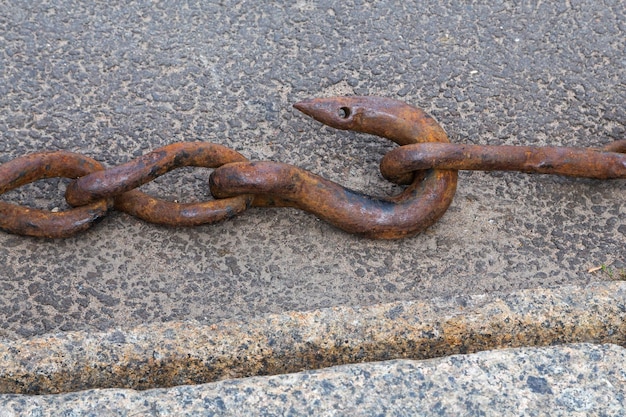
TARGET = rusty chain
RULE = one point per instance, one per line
(425, 160)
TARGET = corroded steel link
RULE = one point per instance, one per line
(617, 146)
(416, 208)
(120, 181)
(117, 180)
(42, 223)
(154, 210)
(284, 185)
(573, 162)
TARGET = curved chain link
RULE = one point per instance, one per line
(43, 223)
(420, 205)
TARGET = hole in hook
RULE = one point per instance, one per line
(344, 112)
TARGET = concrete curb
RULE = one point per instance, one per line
(566, 380)
(178, 353)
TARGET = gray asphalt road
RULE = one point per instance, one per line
(115, 80)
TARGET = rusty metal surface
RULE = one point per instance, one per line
(42, 223)
(120, 182)
(125, 177)
(571, 162)
(425, 157)
(416, 208)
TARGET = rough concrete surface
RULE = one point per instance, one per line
(179, 353)
(573, 380)
(114, 80)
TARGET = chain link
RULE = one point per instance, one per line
(426, 161)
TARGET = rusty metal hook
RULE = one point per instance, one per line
(423, 202)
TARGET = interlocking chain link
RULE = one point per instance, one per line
(425, 160)
(33, 222)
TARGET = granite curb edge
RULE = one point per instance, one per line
(179, 353)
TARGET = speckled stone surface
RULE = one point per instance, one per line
(176, 353)
(114, 80)
(570, 380)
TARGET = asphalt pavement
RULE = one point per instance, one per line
(115, 80)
